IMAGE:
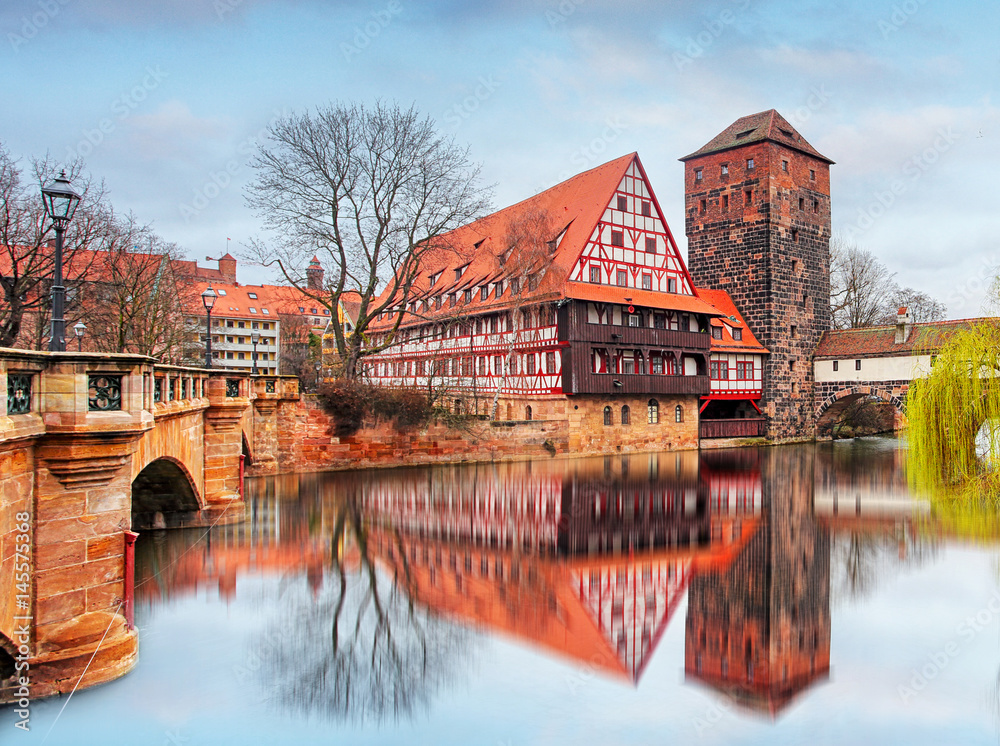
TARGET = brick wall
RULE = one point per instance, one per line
(772, 257)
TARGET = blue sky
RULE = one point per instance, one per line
(898, 92)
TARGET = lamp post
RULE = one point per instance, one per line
(255, 338)
(208, 299)
(60, 203)
(79, 329)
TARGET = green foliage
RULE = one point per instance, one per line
(352, 402)
(946, 409)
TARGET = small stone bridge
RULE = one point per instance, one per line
(92, 448)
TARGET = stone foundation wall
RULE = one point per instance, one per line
(307, 441)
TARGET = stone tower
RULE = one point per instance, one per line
(757, 219)
(314, 275)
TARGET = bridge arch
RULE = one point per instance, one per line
(837, 404)
(164, 495)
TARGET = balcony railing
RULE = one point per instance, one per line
(586, 382)
(750, 427)
(633, 336)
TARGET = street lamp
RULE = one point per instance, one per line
(255, 338)
(208, 299)
(79, 329)
(60, 203)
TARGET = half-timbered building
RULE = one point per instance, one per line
(574, 304)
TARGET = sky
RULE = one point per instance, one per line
(167, 100)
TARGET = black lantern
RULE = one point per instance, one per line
(79, 329)
(60, 204)
(208, 298)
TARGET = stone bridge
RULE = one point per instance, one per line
(92, 448)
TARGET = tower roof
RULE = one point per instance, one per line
(766, 125)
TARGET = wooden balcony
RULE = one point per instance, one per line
(734, 428)
(584, 381)
(632, 336)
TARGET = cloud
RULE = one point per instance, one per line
(172, 131)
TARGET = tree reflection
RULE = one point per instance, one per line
(862, 560)
(357, 648)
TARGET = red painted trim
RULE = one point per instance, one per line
(747, 395)
(130, 537)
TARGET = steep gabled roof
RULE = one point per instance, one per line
(766, 125)
(573, 209)
(731, 319)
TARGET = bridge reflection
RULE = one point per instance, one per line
(586, 559)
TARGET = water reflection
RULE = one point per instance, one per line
(387, 580)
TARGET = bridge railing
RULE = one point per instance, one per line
(750, 427)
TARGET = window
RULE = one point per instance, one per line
(659, 321)
(737, 334)
(725, 201)
(646, 211)
(725, 169)
(703, 206)
(302, 309)
(748, 196)
(744, 371)
(697, 174)
(718, 370)
(626, 415)
(634, 320)
(268, 313)
(252, 295)
(784, 166)
(607, 415)
(467, 296)
(795, 266)
(482, 365)
(622, 203)
(497, 365)
(647, 281)
(812, 174)
(750, 165)
(657, 365)
(795, 235)
(617, 238)
(595, 273)
(836, 365)
(550, 363)
(621, 278)
(650, 244)
(793, 330)
(221, 291)
(716, 332)
(802, 204)
(679, 417)
(653, 412)
(313, 310)
(857, 365)
(527, 412)
(672, 285)
(529, 364)
(484, 292)
(253, 310)
(241, 325)
(815, 205)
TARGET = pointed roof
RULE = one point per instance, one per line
(227, 257)
(572, 210)
(765, 125)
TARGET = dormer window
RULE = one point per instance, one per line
(716, 332)
(434, 278)
(252, 295)
(459, 272)
(737, 334)
(484, 292)
(220, 291)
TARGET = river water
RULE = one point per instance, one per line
(783, 595)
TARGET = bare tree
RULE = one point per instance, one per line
(922, 307)
(859, 286)
(133, 301)
(26, 258)
(524, 256)
(369, 190)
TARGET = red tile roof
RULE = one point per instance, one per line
(731, 319)
(235, 302)
(880, 341)
(573, 209)
(766, 125)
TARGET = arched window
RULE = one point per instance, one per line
(678, 413)
(527, 412)
(626, 415)
(653, 412)
(607, 415)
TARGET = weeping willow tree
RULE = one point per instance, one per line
(946, 410)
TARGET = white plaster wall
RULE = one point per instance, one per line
(902, 368)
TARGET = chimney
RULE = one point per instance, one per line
(904, 323)
(314, 275)
(227, 266)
